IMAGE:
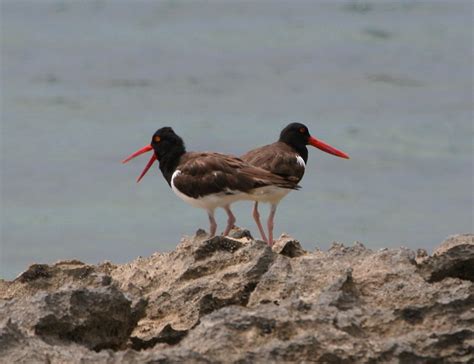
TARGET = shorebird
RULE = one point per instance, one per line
(286, 158)
(208, 180)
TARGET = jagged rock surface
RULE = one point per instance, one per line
(236, 300)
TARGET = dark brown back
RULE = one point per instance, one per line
(205, 173)
(277, 158)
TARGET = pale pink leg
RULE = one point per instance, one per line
(270, 224)
(212, 222)
(230, 220)
(256, 217)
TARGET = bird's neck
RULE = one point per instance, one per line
(170, 161)
(303, 152)
(300, 149)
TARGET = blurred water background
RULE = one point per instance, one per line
(85, 83)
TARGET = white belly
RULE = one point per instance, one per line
(270, 194)
(209, 202)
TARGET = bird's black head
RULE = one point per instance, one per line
(166, 143)
(297, 136)
(167, 148)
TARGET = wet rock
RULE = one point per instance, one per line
(233, 299)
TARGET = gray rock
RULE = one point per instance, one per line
(288, 246)
(233, 299)
(96, 318)
(453, 258)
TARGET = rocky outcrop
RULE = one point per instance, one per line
(233, 299)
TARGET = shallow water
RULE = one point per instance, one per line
(86, 83)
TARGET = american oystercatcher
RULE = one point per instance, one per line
(208, 180)
(286, 158)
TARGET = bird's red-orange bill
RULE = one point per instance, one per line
(327, 148)
(145, 149)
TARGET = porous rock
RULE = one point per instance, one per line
(233, 299)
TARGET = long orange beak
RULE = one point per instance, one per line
(326, 147)
(152, 160)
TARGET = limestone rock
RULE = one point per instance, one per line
(453, 258)
(233, 299)
(96, 318)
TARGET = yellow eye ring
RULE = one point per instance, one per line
(157, 139)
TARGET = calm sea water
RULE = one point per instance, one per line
(85, 83)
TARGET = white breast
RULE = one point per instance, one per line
(300, 161)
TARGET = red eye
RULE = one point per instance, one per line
(302, 130)
(157, 139)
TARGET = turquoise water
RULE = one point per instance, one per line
(85, 83)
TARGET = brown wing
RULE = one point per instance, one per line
(202, 174)
(277, 158)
